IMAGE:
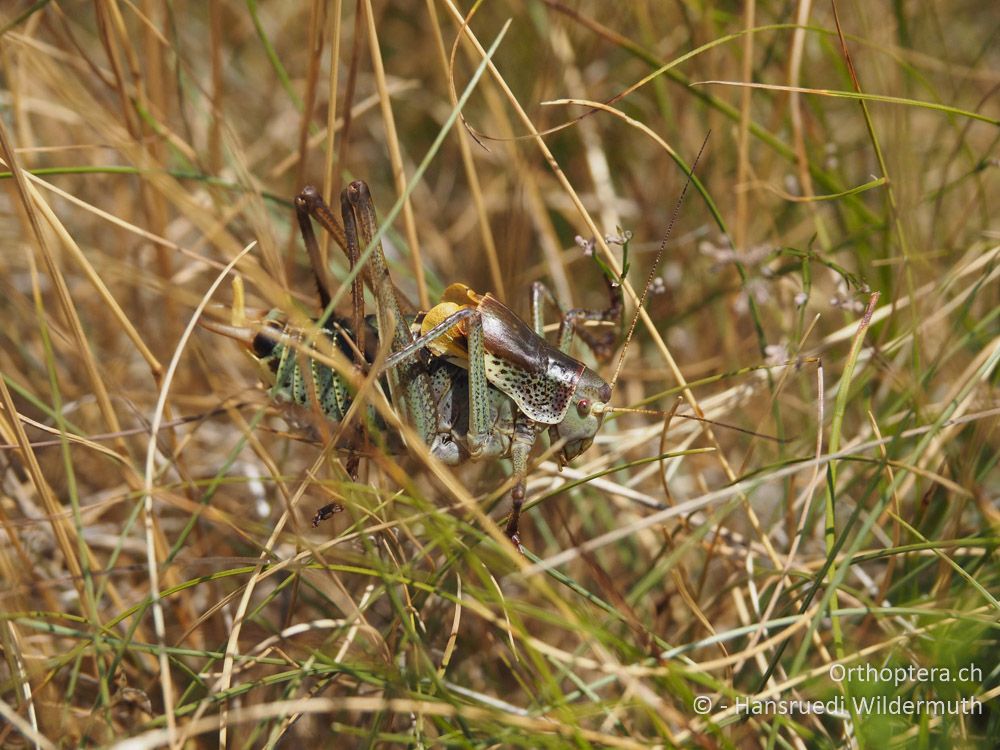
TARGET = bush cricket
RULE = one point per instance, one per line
(473, 380)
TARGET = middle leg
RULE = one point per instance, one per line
(574, 321)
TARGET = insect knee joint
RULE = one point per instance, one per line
(517, 495)
(477, 445)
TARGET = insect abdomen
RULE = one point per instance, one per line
(293, 384)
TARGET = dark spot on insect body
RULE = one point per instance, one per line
(339, 340)
(263, 344)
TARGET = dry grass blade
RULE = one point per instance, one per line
(789, 494)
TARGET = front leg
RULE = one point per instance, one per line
(524, 440)
(489, 409)
(481, 432)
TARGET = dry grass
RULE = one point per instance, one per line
(169, 588)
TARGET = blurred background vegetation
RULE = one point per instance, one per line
(828, 296)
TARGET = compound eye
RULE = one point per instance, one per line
(583, 407)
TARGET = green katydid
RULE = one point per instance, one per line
(473, 380)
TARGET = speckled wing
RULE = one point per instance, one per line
(537, 376)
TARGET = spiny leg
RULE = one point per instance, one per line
(360, 226)
(572, 321)
(426, 339)
(409, 383)
(520, 450)
(327, 511)
(482, 438)
(310, 203)
(480, 430)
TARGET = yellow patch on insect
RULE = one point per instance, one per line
(454, 342)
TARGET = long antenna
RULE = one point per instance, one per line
(656, 263)
(692, 417)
